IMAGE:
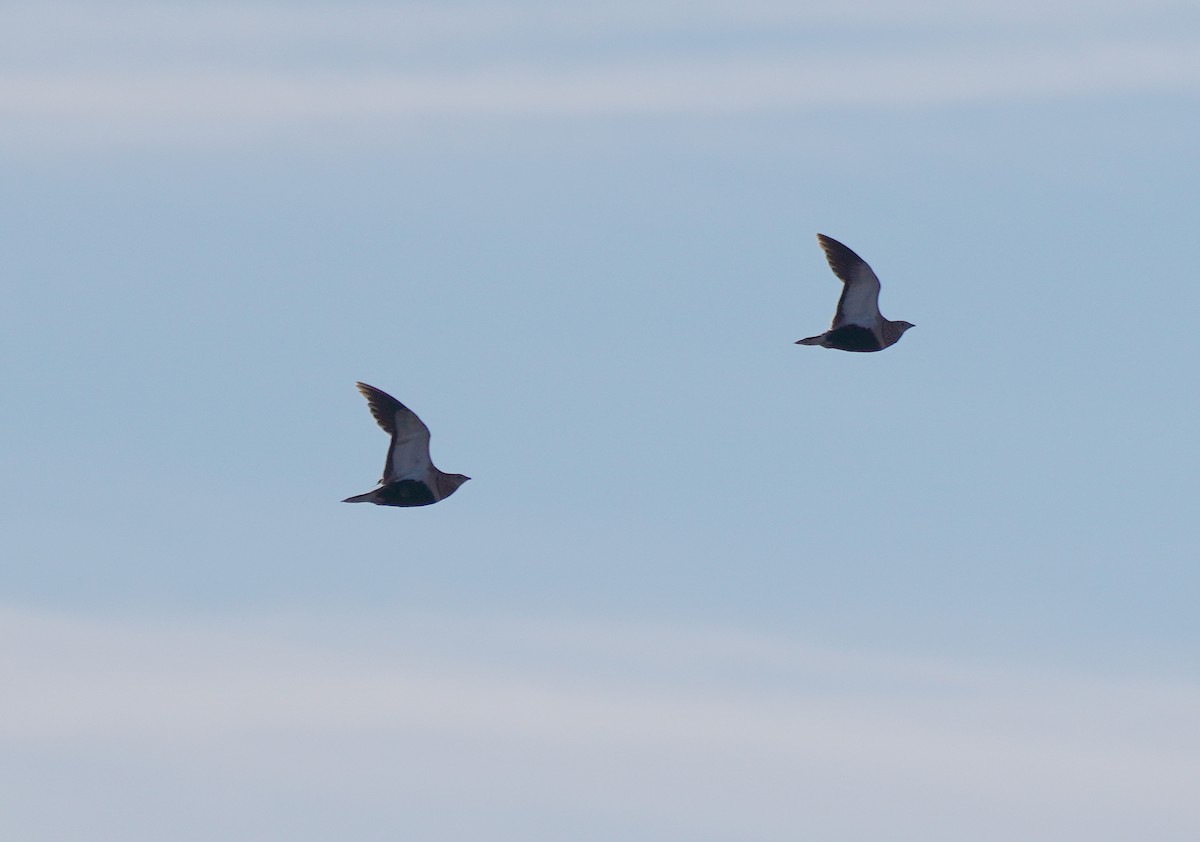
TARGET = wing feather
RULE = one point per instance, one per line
(408, 453)
(859, 304)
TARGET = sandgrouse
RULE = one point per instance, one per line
(409, 477)
(858, 325)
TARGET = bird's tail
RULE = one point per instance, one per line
(812, 340)
(369, 497)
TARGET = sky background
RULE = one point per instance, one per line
(705, 584)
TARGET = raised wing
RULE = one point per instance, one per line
(408, 454)
(859, 304)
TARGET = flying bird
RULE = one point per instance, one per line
(857, 325)
(409, 477)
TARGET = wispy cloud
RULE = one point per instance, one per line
(734, 83)
(689, 728)
(170, 26)
(218, 72)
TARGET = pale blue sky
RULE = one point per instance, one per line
(705, 584)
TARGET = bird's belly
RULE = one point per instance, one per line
(406, 492)
(852, 338)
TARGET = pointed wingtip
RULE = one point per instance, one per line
(827, 242)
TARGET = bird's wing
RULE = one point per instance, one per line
(408, 454)
(859, 304)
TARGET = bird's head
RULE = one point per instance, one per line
(450, 482)
(892, 331)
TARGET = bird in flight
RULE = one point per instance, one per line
(409, 477)
(858, 325)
